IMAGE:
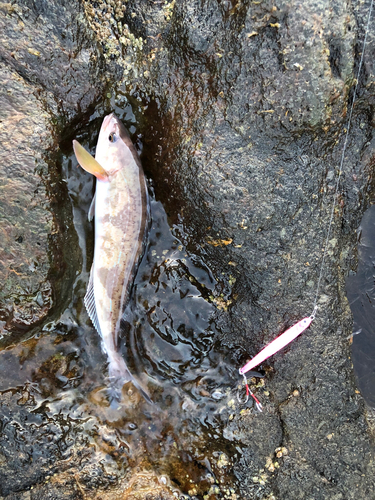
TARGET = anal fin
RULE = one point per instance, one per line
(89, 302)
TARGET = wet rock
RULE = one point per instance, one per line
(26, 221)
(257, 434)
(244, 108)
(50, 47)
(53, 458)
(252, 158)
(30, 455)
(327, 434)
(50, 71)
(69, 486)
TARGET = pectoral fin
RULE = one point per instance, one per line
(88, 162)
(92, 209)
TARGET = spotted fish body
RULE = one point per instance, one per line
(121, 221)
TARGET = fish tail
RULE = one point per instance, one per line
(119, 374)
(117, 370)
(113, 394)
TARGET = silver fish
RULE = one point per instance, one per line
(121, 209)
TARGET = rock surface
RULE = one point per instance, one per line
(245, 107)
(26, 221)
(47, 78)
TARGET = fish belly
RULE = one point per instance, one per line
(118, 242)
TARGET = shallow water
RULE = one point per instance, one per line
(169, 344)
(360, 289)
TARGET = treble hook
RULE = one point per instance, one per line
(248, 392)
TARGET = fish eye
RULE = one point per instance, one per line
(112, 137)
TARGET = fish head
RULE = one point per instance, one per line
(115, 149)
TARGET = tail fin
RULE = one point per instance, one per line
(119, 374)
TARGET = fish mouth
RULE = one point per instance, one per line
(108, 120)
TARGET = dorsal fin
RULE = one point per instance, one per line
(89, 302)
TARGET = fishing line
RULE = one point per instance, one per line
(343, 152)
(293, 332)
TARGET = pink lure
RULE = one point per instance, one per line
(278, 344)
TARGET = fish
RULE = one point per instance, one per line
(121, 210)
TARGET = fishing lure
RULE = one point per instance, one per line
(272, 348)
(277, 344)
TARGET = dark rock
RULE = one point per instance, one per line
(49, 46)
(49, 73)
(256, 149)
(26, 220)
(245, 109)
(360, 292)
